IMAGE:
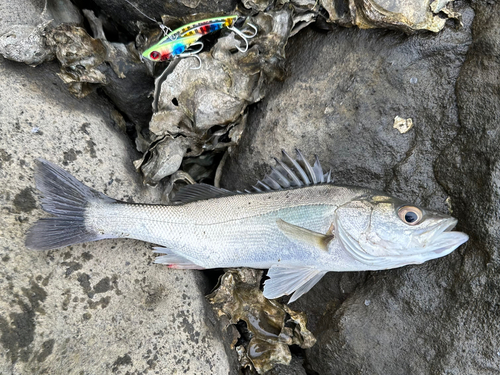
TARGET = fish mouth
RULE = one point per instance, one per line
(440, 239)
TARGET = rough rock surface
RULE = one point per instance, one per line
(127, 16)
(23, 26)
(339, 101)
(89, 309)
(406, 15)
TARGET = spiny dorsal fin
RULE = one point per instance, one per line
(290, 172)
(197, 192)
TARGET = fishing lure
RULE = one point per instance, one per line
(165, 50)
(179, 40)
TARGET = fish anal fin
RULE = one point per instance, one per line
(172, 260)
(197, 192)
(304, 235)
(287, 280)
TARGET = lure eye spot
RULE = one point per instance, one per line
(410, 215)
(155, 55)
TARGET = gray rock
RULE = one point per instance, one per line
(294, 368)
(22, 33)
(129, 84)
(339, 100)
(128, 15)
(408, 16)
(257, 5)
(25, 43)
(20, 13)
(96, 308)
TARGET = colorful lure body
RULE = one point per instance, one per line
(200, 28)
(177, 41)
(167, 50)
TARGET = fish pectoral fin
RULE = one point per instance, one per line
(173, 260)
(310, 237)
(287, 280)
(198, 192)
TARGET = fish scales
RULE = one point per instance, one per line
(298, 233)
(228, 231)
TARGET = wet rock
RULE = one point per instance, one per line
(470, 171)
(97, 308)
(408, 16)
(268, 327)
(339, 101)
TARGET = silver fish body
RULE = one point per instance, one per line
(299, 233)
(234, 231)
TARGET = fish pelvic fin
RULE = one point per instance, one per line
(287, 280)
(172, 260)
(304, 235)
(67, 199)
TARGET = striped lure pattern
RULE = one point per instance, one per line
(177, 41)
(200, 28)
(166, 50)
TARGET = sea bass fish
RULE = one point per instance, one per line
(296, 223)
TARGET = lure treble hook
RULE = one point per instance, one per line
(177, 41)
(194, 53)
(242, 35)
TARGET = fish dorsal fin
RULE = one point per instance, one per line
(287, 280)
(307, 236)
(290, 172)
(197, 192)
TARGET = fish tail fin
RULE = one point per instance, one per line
(67, 199)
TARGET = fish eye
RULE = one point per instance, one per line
(154, 55)
(410, 215)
